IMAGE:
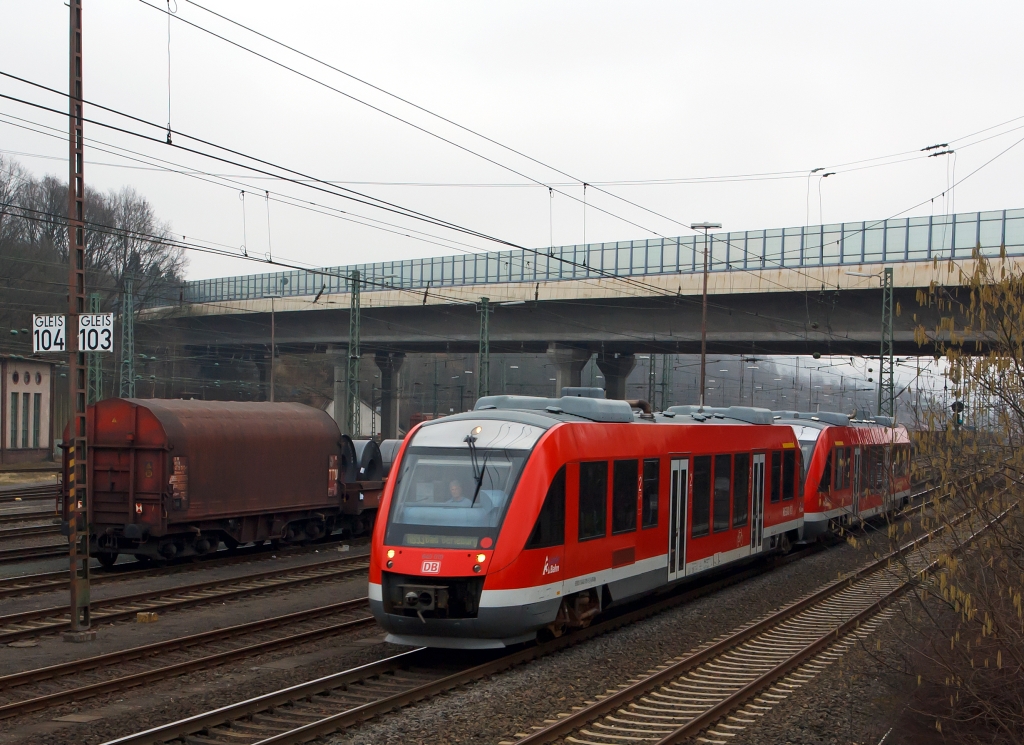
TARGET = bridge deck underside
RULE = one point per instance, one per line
(825, 322)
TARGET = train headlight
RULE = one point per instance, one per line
(390, 564)
(476, 568)
(480, 558)
(391, 553)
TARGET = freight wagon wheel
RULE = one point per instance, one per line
(106, 559)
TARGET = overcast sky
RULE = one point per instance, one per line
(603, 91)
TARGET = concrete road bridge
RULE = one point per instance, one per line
(802, 290)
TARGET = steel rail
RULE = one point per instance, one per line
(76, 667)
(47, 620)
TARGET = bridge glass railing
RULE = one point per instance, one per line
(880, 241)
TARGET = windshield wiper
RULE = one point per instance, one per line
(479, 482)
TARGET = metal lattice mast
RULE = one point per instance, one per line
(95, 375)
(77, 506)
(127, 386)
(886, 365)
(651, 379)
(666, 381)
(483, 378)
(352, 379)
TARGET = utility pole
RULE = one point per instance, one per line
(483, 377)
(886, 365)
(705, 226)
(77, 507)
(352, 381)
(95, 375)
(127, 389)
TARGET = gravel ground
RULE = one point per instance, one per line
(496, 709)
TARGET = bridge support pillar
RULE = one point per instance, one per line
(389, 363)
(339, 357)
(569, 363)
(615, 368)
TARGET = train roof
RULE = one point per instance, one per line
(581, 406)
(830, 418)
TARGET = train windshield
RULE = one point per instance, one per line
(808, 439)
(452, 497)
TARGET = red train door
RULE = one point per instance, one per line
(757, 503)
(679, 480)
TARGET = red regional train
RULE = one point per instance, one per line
(532, 515)
(854, 469)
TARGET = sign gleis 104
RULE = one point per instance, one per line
(95, 333)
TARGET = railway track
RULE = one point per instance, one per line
(48, 620)
(33, 690)
(31, 584)
(9, 518)
(725, 685)
(28, 553)
(333, 703)
(24, 531)
(26, 493)
(336, 702)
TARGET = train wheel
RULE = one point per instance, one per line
(106, 559)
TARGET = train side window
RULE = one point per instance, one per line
(776, 484)
(549, 529)
(593, 499)
(843, 462)
(723, 492)
(701, 495)
(826, 474)
(789, 474)
(625, 475)
(740, 489)
(652, 472)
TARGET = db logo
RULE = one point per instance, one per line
(431, 567)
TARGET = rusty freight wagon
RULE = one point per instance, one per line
(177, 478)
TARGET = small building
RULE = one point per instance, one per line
(26, 410)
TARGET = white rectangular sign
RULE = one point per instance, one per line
(96, 332)
(48, 334)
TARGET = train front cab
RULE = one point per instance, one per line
(600, 513)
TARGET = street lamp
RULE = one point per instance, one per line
(705, 226)
(272, 298)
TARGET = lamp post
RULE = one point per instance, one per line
(273, 345)
(705, 226)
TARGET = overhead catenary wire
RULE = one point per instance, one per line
(419, 107)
